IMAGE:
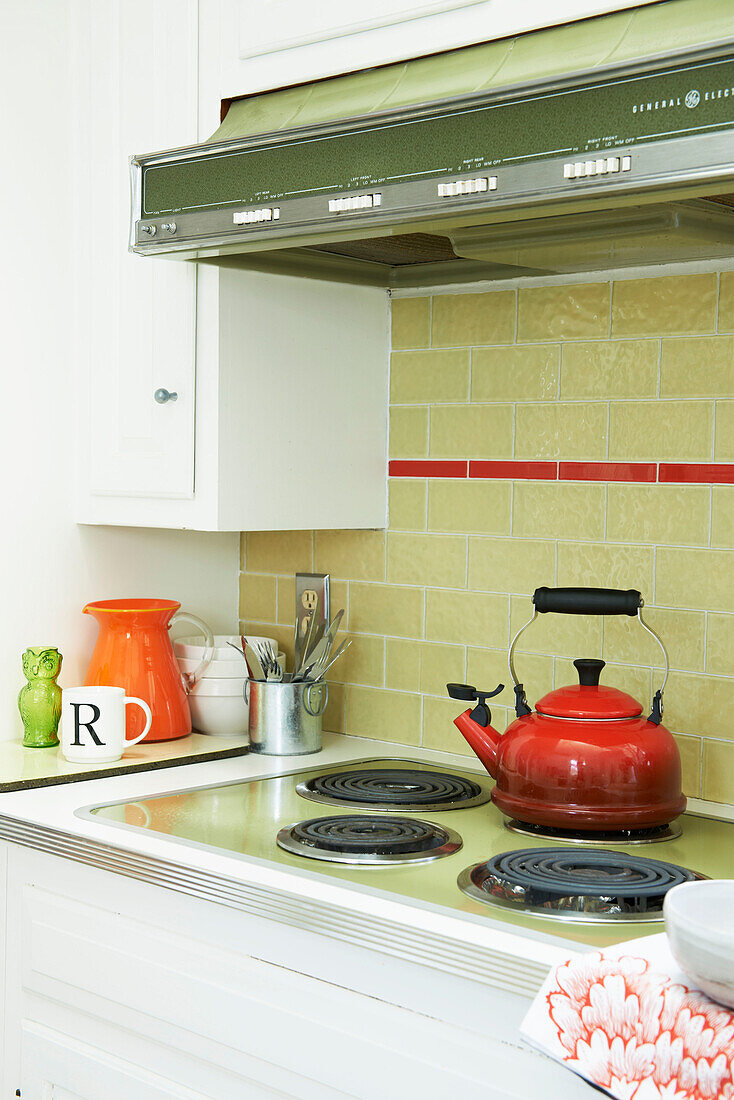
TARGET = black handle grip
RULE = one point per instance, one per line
(587, 601)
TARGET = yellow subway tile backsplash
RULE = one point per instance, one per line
(386, 609)
(661, 307)
(722, 515)
(724, 448)
(460, 320)
(554, 510)
(355, 555)
(700, 705)
(577, 312)
(610, 368)
(487, 668)
(726, 302)
(475, 507)
(621, 372)
(408, 504)
(697, 366)
(439, 731)
(363, 662)
(279, 551)
(411, 323)
(334, 720)
(690, 749)
(570, 431)
(720, 644)
(694, 578)
(718, 770)
(659, 513)
(438, 560)
(556, 635)
(257, 597)
(467, 618)
(664, 431)
(441, 665)
(403, 664)
(383, 715)
(511, 565)
(605, 565)
(408, 432)
(522, 373)
(287, 599)
(471, 431)
(682, 633)
(424, 376)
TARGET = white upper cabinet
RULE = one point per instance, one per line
(136, 320)
(280, 415)
(274, 43)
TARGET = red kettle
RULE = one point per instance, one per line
(585, 758)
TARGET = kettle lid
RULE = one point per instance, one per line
(588, 698)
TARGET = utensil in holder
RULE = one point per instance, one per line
(285, 718)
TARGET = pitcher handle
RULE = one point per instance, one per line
(190, 678)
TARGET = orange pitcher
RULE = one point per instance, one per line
(134, 652)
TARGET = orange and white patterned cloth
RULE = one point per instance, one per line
(628, 1020)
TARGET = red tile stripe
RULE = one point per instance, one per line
(705, 473)
(701, 473)
(607, 471)
(510, 470)
(424, 467)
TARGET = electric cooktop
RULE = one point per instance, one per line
(432, 834)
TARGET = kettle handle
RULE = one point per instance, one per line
(588, 601)
(190, 678)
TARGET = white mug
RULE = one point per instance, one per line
(93, 723)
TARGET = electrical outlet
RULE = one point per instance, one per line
(312, 595)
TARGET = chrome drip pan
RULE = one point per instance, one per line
(566, 884)
(369, 839)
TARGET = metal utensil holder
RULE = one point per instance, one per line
(285, 718)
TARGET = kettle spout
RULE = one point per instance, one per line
(484, 740)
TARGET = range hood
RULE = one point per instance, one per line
(604, 143)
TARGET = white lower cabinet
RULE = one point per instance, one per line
(118, 990)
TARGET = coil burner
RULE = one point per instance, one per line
(653, 835)
(394, 789)
(369, 839)
(567, 884)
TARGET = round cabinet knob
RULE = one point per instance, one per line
(170, 227)
(163, 396)
(148, 229)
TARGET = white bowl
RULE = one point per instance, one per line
(193, 648)
(219, 715)
(698, 920)
(220, 670)
(233, 685)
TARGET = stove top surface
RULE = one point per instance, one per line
(243, 819)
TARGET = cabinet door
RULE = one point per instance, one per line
(136, 316)
(59, 1067)
(274, 43)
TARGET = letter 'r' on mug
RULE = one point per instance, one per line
(93, 723)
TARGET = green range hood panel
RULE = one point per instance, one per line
(642, 101)
(459, 141)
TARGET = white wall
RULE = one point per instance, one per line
(49, 566)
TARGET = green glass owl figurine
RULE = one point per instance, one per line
(39, 701)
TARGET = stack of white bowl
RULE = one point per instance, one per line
(217, 700)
